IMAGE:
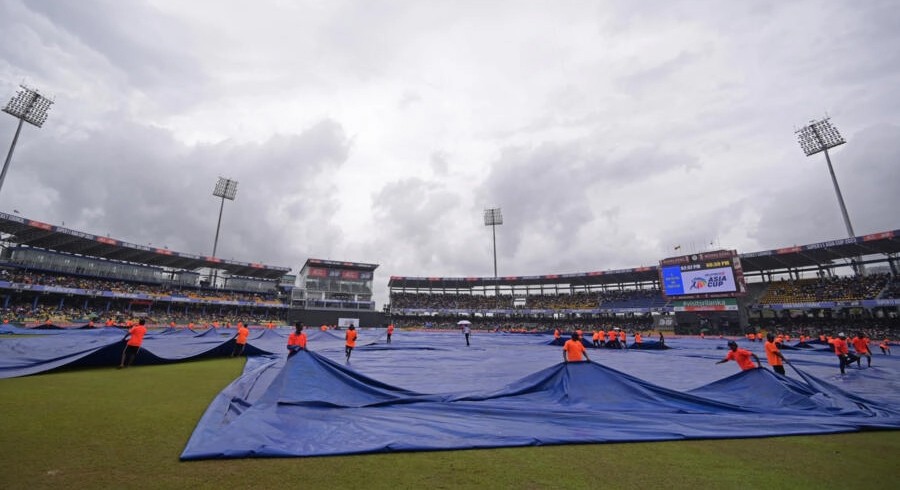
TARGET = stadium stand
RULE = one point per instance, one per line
(850, 288)
(815, 282)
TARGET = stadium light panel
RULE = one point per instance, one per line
(819, 136)
(226, 188)
(492, 217)
(30, 106)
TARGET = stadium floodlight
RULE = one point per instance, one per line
(820, 136)
(28, 106)
(225, 189)
(492, 218)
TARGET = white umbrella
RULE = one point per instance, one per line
(464, 322)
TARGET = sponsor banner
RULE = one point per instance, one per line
(340, 264)
(10, 217)
(866, 303)
(884, 302)
(624, 310)
(684, 280)
(879, 236)
(699, 257)
(706, 305)
(832, 243)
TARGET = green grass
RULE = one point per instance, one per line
(108, 428)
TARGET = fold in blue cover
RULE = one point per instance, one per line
(313, 406)
(33, 354)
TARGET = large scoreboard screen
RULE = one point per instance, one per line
(715, 274)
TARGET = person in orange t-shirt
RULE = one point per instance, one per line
(861, 346)
(638, 339)
(241, 340)
(556, 333)
(573, 350)
(740, 356)
(774, 356)
(390, 332)
(885, 346)
(351, 341)
(135, 339)
(297, 340)
(596, 338)
(839, 344)
(612, 339)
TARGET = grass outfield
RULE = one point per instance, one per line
(108, 428)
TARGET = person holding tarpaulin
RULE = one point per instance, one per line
(135, 339)
(241, 340)
(845, 358)
(573, 350)
(885, 346)
(296, 340)
(861, 346)
(773, 354)
(740, 356)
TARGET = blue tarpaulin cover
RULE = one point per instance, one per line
(430, 391)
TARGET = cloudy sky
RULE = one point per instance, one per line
(379, 131)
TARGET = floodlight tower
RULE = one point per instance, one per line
(819, 136)
(492, 218)
(28, 106)
(226, 189)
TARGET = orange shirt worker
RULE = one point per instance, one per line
(740, 356)
(839, 344)
(573, 350)
(390, 332)
(885, 346)
(135, 339)
(296, 340)
(241, 340)
(351, 341)
(861, 346)
(773, 355)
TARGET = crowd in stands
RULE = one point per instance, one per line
(812, 326)
(629, 298)
(26, 313)
(124, 287)
(892, 290)
(849, 288)
(632, 324)
(450, 301)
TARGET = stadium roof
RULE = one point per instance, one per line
(34, 233)
(795, 257)
(822, 253)
(338, 264)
